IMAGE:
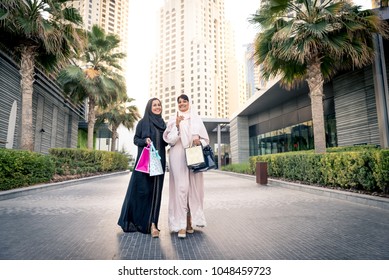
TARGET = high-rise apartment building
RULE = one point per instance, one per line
(254, 79)
(251, 72)
(379, 3)
(235, 73)
(191, 57)
(111, 15)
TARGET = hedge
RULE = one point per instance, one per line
(22, 168)
(84, 161)
(349, 168)
(19, 168)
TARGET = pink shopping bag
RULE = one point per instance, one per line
(144, 160)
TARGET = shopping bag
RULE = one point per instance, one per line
(209, 158)
(155, 162)
(195, 157)
(144, 160)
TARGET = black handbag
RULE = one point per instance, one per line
(209, 161)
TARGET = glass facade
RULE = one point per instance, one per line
(292, 138)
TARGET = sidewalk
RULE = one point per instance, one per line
(369, 200)
(39, 187)
(77, 220)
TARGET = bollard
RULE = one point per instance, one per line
(261, 173)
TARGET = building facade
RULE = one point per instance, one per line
(55, 120)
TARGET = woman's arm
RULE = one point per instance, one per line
(138, 140)
(197, 140)
(171, 134)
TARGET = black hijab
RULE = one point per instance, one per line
(151, 120)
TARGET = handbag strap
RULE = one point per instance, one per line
(153, 150)
(190, 132)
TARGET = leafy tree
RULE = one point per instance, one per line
(39, 32)
(120, 113)
(95, 78)
(311, 40)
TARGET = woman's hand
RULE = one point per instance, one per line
(178, 120)
(196, 142)
(148, 141)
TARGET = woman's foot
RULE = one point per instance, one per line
(154, 231)
(189, 228)
(182, 233)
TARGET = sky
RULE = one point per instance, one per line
(142, 47)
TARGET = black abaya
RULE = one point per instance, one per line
(142, 203)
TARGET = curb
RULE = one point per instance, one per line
(28, 190)
(369, 200)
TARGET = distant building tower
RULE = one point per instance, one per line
(235, 73)
(111, 15)
(191, 57)
(379, 3)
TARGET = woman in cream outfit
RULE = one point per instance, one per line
(186, 189)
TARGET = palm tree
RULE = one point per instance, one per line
(120, 113)
(95, 80)
(43, 32)
(311, 40)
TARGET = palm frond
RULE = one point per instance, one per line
(118, 113)
(42, 24)
(295, 33)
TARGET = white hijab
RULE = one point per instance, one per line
(190, 128)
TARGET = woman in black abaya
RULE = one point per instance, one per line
(141, 206)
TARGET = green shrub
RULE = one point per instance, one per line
(84, 161)
(22, 168)
(360, 167)
(352, 148)
(243, 168)
(381, 170)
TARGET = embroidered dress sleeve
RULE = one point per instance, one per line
(171, 134)
(201, 133)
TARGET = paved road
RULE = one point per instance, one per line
(245, 221)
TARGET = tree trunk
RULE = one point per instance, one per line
(26, 84)
(114, 137)
(315, 83)
(91, 121)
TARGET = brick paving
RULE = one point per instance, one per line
(246, 221)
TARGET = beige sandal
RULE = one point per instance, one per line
(182, 233)
(154, 231)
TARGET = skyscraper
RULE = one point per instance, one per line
(235, 73)
(111, 15)
(191, 57)
(379, 3)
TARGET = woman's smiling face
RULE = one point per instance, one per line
(183, 105)
(156, 107)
